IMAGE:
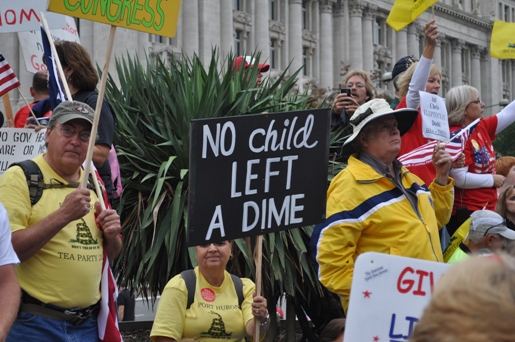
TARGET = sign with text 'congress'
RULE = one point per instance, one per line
(18, 144)
(388, 296)
(257, 174)
(158, 17)
(23, 15)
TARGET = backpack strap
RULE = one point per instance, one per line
(238, 286)
(34, 179)
(191, 281)
(35, 182)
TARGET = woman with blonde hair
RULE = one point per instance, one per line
(420, 76)
(473, 301)
(476, 182)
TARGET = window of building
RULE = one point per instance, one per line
(238, 48)
(305, 16)
(507, 13)
(238, 5)
(273, 53)
(273, 10)
(305, 60)
(379, 32)
(154, 38)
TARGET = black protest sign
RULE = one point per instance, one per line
(256, 174)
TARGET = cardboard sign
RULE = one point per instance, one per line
(256, 174)
(153, 16)
(388, 296)
(434, 117)
(23, 15)
(18, 144)
(32, 47)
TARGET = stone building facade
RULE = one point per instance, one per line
(327, 37)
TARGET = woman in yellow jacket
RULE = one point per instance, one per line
(376, 204)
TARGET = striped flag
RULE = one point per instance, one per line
(422, 155)
(8, 80)
(107, 320)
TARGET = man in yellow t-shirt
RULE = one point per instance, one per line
(57, 239)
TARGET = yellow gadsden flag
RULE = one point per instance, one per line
(404, 12)
(502, 44)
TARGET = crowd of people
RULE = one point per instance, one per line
(56, 236)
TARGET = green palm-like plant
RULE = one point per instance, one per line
(154, 106)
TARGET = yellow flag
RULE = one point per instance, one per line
(502, 44)
(404, 12)
(456, 239)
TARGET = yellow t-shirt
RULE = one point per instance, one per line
(213, 316)
(67, 270)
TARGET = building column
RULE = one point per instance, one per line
(402, 45)
(209, 29)
(190, 28)
(326, 44)
(338, 41)
(295, 34)
(226, 27)
(368, 37)
(356, 34)
(437, 57)
(475, 79)
(261, 28)
(457, 46)
(412, 41)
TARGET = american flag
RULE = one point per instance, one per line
(422, 155)
(8, 79)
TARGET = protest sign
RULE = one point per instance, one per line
(23, 15)
(18, 144)
(256, 174)
(32, 48)
(434, 117)
(152, 16)
(388, 296)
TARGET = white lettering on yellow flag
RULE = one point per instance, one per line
(20, 144)
(404, 12)
(153, 16)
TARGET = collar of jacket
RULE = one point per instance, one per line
(365, 173)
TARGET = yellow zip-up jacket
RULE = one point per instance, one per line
(366, 212)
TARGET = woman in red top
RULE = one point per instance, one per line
(476, 183)
(420, 76)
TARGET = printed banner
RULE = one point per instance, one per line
(32, 46)
(23, 15)
(153, 16)
(257, 174)
(18, 144)
(388, 296)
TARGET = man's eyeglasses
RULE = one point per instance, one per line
(70, 132)
(497, 225)
(358, 85)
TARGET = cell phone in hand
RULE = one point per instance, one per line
(345, 91)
